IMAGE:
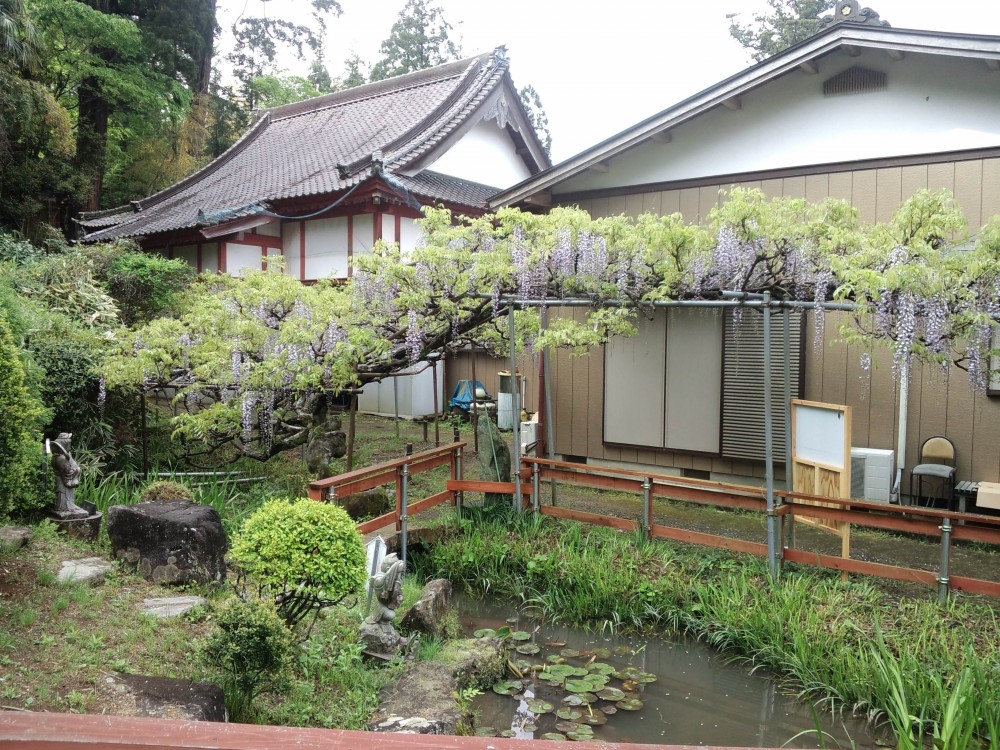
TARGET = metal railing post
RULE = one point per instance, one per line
(944, 580)
(404, 480)
(459, 496)
(647, 488)
(534, 488)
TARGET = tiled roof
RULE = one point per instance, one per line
(322, 146)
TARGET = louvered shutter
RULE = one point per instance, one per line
(743, 382)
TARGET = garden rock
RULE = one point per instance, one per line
(365, 504)
(89, 570)
(424, 701)
(325, 443)
(162, 698)
(172, 606)
(427, 615)
(12, 538)
(169, 541)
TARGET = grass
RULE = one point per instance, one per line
(927, 670)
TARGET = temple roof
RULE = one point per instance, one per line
(331, 143)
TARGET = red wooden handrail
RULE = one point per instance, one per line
(26, 730)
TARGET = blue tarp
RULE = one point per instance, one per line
(462, 397)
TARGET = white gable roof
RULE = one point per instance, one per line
(775, 115)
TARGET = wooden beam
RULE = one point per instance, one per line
(600, 166)
(612, 522)
(809, 66)
(734, 103)
(852, 51)
(541, 198)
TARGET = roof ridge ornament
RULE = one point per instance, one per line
(500, 54)
(848, 11)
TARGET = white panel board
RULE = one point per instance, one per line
(362, 234)
(410, 236)
(819, 435)
(290, 243)
(326, 248)
(242, 258)
(210, 257)
(634, 372)
(694, 379)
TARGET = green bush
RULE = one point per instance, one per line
(145, 286)
(306, 553)
(165, 490)
(20, 452)
(253, 650)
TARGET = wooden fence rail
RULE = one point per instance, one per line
(943, 525)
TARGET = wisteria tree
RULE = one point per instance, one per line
(254, 360)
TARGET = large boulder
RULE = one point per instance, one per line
(427, 615)
(124, 694)
(12, 538)
(176, 541)
(367, 504)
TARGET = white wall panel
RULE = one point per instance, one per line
(242, 258)
(326, 248)
(210, 257)
(694, 379)
(290, 234)
(633, 385)
(485, 154)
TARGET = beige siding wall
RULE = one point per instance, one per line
(940, 402)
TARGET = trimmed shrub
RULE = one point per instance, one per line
(145, 286)
(253, 650)
(305, 553)
(20, 452)
(165, 490)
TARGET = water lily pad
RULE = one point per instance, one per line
(645, 677)
(609, 709)
(611, 694)
(554, 736)
(523, 665)
(485, 633)
(521, 635)
(567, 726)
(502, 632)
(553, 659)
(583, 734)
(508, 733)
(538, 706)
(602, 653)
(622, 650)
(597, 680)
(561, 670)
(569, 714)
(569, 653)
(529, 727)
(528, 648)
(507, 687)
(579, 686)
(599, 667)
(512, 621)
(630, 704)
(594, 717)
(579, 699)
(486, 732)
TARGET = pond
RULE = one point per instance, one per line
(634, 688)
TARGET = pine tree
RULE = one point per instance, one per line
(419, 39)
(788, 22)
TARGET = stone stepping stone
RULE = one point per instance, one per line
(89, 570)
(171, 606)
(12, 538)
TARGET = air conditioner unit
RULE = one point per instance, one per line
(872, 474)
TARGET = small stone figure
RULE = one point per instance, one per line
(377, 632)
(67, 473)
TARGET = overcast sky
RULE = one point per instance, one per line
(599, 67)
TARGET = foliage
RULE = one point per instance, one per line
(146, 286)
(275, 90)
(786, 23)
(307, 554)
(165, 490)
(20, 443)
(418, 39)
(253, 358)
(253, 649)
(532, 103)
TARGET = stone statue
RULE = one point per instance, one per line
(67, 473)
(377, 631)
(387, 586)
